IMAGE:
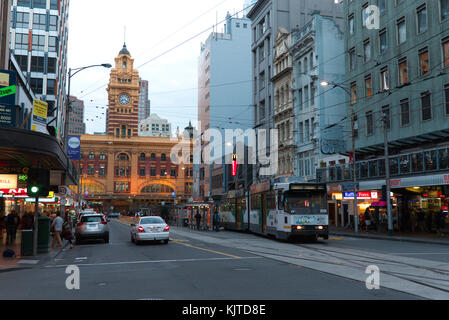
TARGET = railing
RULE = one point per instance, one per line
(426, 161)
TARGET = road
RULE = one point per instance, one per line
(233, 266)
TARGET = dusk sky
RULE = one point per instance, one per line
(96, 36)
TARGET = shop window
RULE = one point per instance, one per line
(417, 162)
(405, 164)
(394, 166)
(443, 158)
(430, 160)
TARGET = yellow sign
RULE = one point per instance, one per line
(40, 109)
(4, 79)
(337, 196)
(8, 181)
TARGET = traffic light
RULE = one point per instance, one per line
(384, 193)
(38, 183)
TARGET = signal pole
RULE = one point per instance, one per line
(387, 178)
(36, 225)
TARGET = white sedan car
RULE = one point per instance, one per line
(150, 229)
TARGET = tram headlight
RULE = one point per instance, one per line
(320, 227)
(299, 227)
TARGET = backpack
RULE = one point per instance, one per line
(8, 253)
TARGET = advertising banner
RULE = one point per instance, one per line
(7, 98)
(8, 181)
(39, 121)
(74, 147)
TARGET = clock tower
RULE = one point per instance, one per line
(123, 96)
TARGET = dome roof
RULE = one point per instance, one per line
(124, 50)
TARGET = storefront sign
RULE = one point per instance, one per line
(337, 196)
(39, 121)
(7, 98)
(8, 181)
(361, 195)
(14, 192)
(334, 188)
(261, 187)
(74, 147)
(10, 170)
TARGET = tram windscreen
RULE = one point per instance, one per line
(305, 203)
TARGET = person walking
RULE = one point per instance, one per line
(27, 221)
(2, 226)
(67, 231)
(217, 220)
(12, 223)
(198, 220)
(57, 230)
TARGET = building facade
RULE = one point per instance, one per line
(284, 118)
(267, 17)
(5, 12)
(39, 35)
(317, 53)
(144, 102)
(76, 117)
(399, 86)
(224, 98)
(154, 126)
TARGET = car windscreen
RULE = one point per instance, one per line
(151, 220)
(304, 203)
(91, 219)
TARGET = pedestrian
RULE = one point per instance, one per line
(421, 217)
(56, 227)
(367, 219)
(27, 221)
(413, 219)
(2, 226)
(217, 220)
(198, 220)
(67, 231)
(12, 223)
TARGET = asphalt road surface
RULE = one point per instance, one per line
(210, 266)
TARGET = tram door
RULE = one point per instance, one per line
(264, 213)
(238, 213)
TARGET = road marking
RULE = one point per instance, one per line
(208, 250)
(28, 262)
(151, 261)
(83, 258)
(175, 240)
(335, 238)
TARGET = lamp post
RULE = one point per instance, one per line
(356, 217)
(69, 109)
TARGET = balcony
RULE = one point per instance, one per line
(402, 165)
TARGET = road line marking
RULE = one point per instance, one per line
(28, 262)
(208, 250)
(335, 238)
(152, 261)
(83, 258)
(175, 240)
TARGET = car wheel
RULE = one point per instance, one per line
(166, 241)
(106, 240)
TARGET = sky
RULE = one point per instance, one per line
(97, 33)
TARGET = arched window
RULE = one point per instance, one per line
(123, 157)
(124, 64)
(157, 188)
(102, 156)
(142, 157)
(91, 156)
(153, 157)
(163, 157)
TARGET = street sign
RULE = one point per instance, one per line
(62, 190)
(7, 91)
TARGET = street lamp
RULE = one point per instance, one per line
(356, 217)
(69, 109)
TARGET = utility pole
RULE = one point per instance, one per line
(387, 172)
(354, 173)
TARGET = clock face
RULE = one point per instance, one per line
(123, 99)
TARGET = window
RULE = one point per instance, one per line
(173, 172)
(351, 24)
(38, 42)
(367, 50)
(356, 126)
(24, 3)
(51, 89)
(306, 96)
(402, 31)
(385, 83)
(424, 65)
(386, 113)
(312, 93)
(352, 59)
(91, 156)
(365, 14)
(41, 4)
(354, 93)
(383, 46)
(163, 172)
(369, 123)
(403, 72)
(261, 53)
(22, 41)
(142, 171)
(123, 157)
(307, 131)
(23, 62)
(446, 52)
(368, 86)
(52, 44)
(102, 156)
(142, 157)
(446, 98)
(444, 6)
(37, 64)
(405, 113)
(39, 21)
(51, 65)
(421, 13)
(153, 171)
(90, 171)
(381, 5)
(163, 157)
(54, 4)
(36, 85)
(102, 171)
(426, 106)
(300, 98)
(23, 20)
(301, 132)
(153, 157)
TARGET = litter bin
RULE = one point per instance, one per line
(43, 235)
(26, 248)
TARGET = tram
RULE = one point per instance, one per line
(286, 211)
